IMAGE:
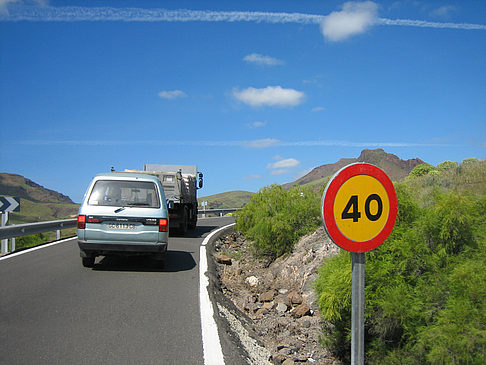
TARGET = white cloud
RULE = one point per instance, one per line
(318, 109)
(262, 60)
(269, 96)
(284, 164)
(257, 124)
(173, 94)
(354, 18)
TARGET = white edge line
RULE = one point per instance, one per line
(35, 248)
(213, 354)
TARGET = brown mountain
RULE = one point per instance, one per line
(394, 167)
(17, 185)
(37, 203)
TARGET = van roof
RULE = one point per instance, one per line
(126, 175)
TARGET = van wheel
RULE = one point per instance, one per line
(88, 261)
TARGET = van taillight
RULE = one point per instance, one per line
(163, 225)
(81, 221)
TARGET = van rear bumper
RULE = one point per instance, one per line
(109, 248)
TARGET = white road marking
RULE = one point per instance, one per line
(35, 249)
(213, 355)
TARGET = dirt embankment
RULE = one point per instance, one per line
(278, 298)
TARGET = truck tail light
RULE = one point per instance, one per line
(163, 225)
(81, 221)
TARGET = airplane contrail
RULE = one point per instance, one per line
(18, 12)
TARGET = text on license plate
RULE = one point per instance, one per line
(124, 226)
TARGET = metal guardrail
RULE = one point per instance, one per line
(17, 230)
(219, 212)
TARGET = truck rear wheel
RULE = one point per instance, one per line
(185, 222)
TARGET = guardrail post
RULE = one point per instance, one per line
(3, 223)
(12, 244)
(58, 235)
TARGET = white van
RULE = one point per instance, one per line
(123, 214)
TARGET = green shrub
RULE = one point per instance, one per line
(425, 299)
(275, 219)
(446, 165)
(421, 170)
(469, 160)
(31, 240)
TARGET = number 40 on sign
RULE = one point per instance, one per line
(359, 207)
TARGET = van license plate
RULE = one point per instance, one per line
(121, 226)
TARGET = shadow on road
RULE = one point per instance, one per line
(174, 262)
(199, 232)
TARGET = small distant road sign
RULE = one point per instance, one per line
(9, 204)
(359, 207)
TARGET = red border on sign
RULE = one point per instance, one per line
(328, 207)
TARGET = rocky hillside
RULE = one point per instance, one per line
(37, 203)
(278, 300)
(17, 185)
(395, 168)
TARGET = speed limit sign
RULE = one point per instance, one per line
(359, 207)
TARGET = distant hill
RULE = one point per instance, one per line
(230, 199)
(394, 167)
(36, 202)
(17, 185)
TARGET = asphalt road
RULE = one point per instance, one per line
(123, 311)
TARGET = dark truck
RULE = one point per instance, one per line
(180, 184)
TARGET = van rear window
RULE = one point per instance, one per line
(118, 193)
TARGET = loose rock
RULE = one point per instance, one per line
(301, 310)
(267, 296)
(252, 281)
(279, 297)
(223, 259)
(293, 298)
(281, 307)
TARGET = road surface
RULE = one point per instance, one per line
(123, 311)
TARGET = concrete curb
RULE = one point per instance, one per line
(238, 341)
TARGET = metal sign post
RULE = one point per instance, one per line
(357, 308)
(3, 223)
(204, 204)
(7, 204)
(359, 209)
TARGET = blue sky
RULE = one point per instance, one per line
(253, 92)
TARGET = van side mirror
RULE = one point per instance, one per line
(200, 184)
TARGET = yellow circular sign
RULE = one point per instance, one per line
(361, 208)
